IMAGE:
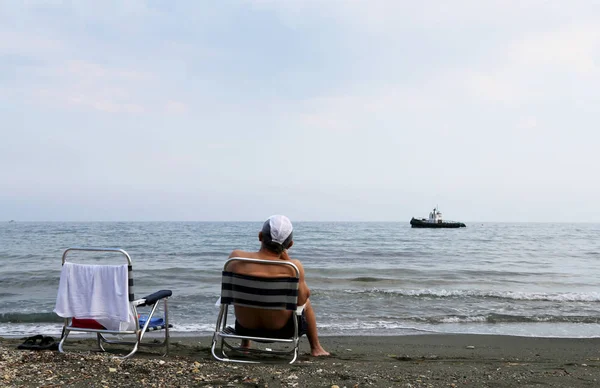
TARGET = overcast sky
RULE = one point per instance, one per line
(320, 110)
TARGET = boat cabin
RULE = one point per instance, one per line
(435, 217)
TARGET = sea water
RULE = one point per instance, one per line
(525, 279)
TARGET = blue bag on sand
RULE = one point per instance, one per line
(153, 322)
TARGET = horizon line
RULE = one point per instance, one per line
(295, 221)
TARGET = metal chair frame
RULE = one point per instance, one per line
(222, 333)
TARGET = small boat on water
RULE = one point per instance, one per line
(435, 221)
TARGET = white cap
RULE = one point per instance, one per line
(278, 229)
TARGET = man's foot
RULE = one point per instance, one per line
(319, 352)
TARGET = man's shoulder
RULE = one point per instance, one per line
(242, 254)
(297, 263)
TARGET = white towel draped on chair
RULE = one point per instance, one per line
(94, 292)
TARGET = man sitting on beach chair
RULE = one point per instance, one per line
(275, 238)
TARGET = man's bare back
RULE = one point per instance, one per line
(253, 318)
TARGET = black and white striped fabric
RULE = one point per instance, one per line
(130, 284)
(253, 291)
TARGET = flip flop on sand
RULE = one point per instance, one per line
(39, 342)
(31, 342)
(48, 343)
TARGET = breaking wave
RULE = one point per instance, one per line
(507, 295)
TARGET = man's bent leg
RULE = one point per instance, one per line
(311, 331)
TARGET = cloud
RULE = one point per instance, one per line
(81, 68)
(176, 107)
(344, 112)
(527, 123)
(385, 17)
(571, 48)
(99, 104)
(84, 85)
(79, 84)
(495, 86)
(532, 67)
(15, 42)
(361, 107)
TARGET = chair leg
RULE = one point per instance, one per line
(295, 355)
(99, 339)
(150, 315)
(135, 348)
(65, 334)
(167, 334)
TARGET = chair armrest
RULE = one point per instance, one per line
(300, 309)
(153, 298)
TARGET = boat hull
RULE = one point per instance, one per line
(416, 223)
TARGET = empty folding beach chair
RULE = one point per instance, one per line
(99, 299)
(279, 293)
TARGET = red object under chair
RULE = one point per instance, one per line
(87, 324)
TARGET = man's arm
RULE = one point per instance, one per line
(236, 253)
(234, 265)
(303, 290)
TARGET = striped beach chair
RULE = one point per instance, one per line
(279, 293)
(137, 324)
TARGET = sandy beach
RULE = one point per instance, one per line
(403, 361)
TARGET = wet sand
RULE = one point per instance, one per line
(404, 361)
